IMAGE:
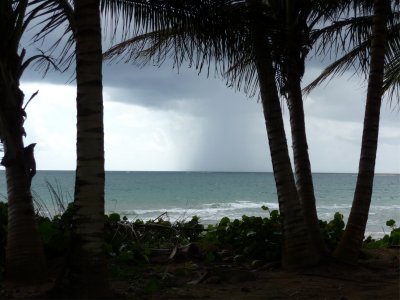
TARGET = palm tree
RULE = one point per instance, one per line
(83, 28)
(88, 255)
(25, 261)
(297, 243)
(373, 45)
(87, 259)
(350, 244)
(297, 19)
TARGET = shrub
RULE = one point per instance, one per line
(56, 232)
(333, 230)
(389, 240)
(249, 238)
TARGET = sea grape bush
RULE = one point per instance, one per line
(191, 228)
(333, 230)
(389, 240)
(56, 232)
(254, 238)
(247, 239)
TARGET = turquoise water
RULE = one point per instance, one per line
(212, 195)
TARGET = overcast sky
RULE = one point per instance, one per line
(159, 119)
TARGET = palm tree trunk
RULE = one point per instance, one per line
(298, 251)
(88, 265)
(296, 35)
(25, 261)
(303, 175)
(349, 247)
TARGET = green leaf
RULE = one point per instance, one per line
(224, 221)
(114, 218)
(391, 223)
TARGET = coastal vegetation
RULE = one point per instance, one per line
(252, 243)
(260, 46)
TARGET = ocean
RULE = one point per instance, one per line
(213, 195)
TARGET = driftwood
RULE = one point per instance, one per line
(189, 250)
(136, 232)
(174, 228)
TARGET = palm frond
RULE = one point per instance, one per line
(350, 39)
(51, 15)
(201, 33)
(391, 83)
(354, 59)
(341, 36)
(19, 15)
(42, 62)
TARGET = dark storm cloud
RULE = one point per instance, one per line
(157, 87)
(150, 86)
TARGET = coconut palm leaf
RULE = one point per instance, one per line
(391, 81)
(353, 38)
(199, 27)
(201, 33)
(52, 15)
(343, 64)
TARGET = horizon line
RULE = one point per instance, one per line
(211, 171)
